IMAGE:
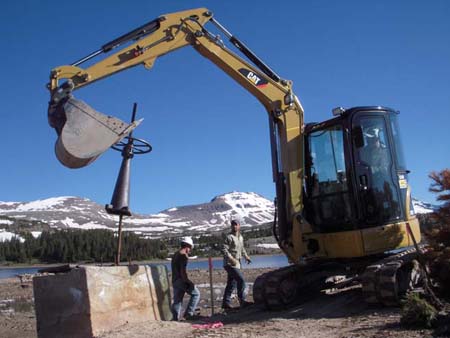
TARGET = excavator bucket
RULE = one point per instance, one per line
(84, 133)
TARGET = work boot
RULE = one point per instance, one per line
(187, 316)
(194, 316)
(226, 306)
(245, 304)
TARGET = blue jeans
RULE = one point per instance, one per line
(179, 289)
(235, 278)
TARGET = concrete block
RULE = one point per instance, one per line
(90, 300)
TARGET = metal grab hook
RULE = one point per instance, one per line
(121, 196)
(120, 201)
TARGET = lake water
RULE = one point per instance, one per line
(269, 261)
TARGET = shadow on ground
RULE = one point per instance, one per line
(345, 304)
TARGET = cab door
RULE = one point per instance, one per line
(375, 171)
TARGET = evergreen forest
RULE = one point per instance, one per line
(100, 246)
(72, 246)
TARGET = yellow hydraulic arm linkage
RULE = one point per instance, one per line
(84, 134)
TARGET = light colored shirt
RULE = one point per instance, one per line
(233, 247)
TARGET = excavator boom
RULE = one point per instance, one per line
(84, 134)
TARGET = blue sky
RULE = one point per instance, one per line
(209, 135)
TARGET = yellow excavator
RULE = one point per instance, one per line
(343, 201)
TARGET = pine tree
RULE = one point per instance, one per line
(441, 186)
(439, 235)
(2, 252)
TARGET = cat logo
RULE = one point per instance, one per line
(254, 78)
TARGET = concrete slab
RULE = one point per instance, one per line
(90, 300)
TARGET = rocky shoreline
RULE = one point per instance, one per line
(328, 315)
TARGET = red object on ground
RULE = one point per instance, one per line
(214, 325)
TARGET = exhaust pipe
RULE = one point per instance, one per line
(84, 133)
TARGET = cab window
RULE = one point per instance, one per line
(329, 205)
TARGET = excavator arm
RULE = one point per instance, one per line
(84, 134)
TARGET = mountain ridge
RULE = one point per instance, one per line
(70, 212)
(81, 213)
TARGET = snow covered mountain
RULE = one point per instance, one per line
(423, 207)
(74, 212)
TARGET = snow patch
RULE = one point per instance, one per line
(36, 234)
(41, 204)
(9, 203)
(147, 229)
(422, 207)
(69, 222)
(268, 245)
(6, 236)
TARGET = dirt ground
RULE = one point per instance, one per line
(342, 314)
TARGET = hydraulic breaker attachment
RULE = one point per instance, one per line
(84, 133)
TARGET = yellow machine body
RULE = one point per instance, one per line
(297, 237)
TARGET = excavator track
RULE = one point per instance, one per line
(383, 282)
(387, 281)
(278, 289)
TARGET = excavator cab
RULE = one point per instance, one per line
(356, 176)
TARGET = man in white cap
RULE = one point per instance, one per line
(181, 283)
